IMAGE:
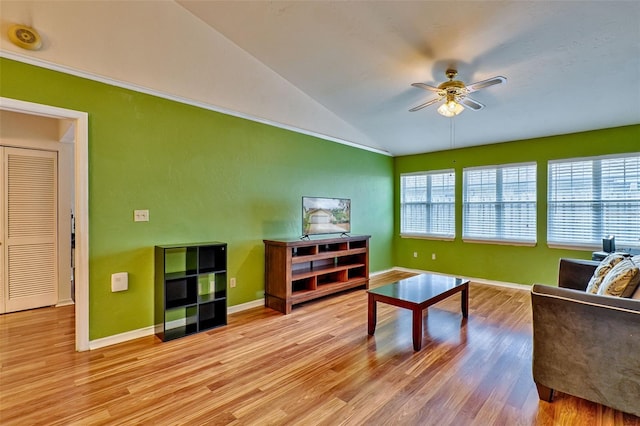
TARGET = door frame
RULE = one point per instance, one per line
(78, 134)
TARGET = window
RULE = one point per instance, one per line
(594, 197)
(427, 204)
(499, 203)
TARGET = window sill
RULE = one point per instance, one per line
(427, 237)
(501, 242)
(569, 246)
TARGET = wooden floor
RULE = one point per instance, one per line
(314, 366)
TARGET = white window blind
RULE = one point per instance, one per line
(594, 197)
(427, 204)
(499, 203)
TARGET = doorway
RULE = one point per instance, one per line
(72, 129)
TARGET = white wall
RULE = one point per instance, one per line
(161, 46)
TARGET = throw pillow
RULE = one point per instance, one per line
(621, 280)
(601, 271)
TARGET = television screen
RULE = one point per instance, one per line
(325, 215)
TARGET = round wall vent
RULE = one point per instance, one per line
(25, 37)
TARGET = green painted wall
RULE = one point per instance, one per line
(524, 265)
(203, 176)
(208, 176)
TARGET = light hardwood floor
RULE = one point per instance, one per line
(314, 366)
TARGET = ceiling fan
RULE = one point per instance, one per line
(454, 93)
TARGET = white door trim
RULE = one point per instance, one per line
(81, 166)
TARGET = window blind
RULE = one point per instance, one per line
(594, 197)
(427, 204)
(499, 203)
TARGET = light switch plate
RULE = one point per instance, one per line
(119, 281)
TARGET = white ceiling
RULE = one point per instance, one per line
(343, 69)
(570, 66)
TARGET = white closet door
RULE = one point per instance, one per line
(30, 229)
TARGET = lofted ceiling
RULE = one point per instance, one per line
(343, 69)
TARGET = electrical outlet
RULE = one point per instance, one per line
(415, 254)
(433, 256)
(141, 215)
(232, 282)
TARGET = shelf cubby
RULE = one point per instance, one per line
(298, 271)
(358, 244)
(350, 260)
(355, 272)
(211, 259)
(304, 251)
(181, 292)
(180, 261)
(333, 277)
(303, 284)
(212, 314)
(181, 322)
(333, 247)
(212, 286)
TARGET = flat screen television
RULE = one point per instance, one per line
(325, 216)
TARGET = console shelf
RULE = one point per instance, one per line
(190, 288)
(297, 271)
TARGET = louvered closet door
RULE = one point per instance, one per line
(30, 229)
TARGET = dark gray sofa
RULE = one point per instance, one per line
(586, 345)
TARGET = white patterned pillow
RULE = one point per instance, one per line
(601, 271)
(621, 280)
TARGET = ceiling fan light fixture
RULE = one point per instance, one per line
(454, 92)
(450, 108)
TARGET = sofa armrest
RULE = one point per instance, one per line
(587, 345)
(576, 273)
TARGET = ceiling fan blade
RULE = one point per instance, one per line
(426, 104)
(471, 103)
(486, 83)
(426, 87)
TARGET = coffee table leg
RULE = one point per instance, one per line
(417, 329)
(465, 301)
(371, 325)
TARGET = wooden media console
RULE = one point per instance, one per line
(297, 271)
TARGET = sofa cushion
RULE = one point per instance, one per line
(601, 271)
(621, 280)
(636, 295)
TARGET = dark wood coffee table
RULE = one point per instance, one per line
(417, 293)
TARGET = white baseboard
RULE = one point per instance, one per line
(244, 306)
(65, 302)
(373, 274)
(122, 337)
(149, 331)
(472, 279)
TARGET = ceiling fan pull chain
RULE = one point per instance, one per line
(452, 133)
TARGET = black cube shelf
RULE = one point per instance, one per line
(190, 288)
